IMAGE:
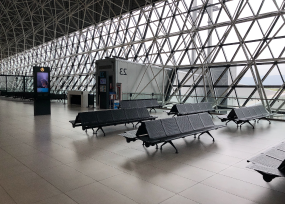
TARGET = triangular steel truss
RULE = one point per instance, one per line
(212, 46)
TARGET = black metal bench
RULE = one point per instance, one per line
(168, 129)
(245, 114)
(140, 103)
(270, 164)
(190, 108)
(100, 119)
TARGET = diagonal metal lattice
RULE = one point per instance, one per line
(230, 52)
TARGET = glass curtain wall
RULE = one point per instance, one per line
(230, 52)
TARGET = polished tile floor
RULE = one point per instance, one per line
(44, 160)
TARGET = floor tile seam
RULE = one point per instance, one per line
(102, 162)
(223, 154)
(118, 192)
(109, 177)
(197, 167)
(117, 154)
(107, 164)
(46, 179)
(57, 195)
(205, 150)
(243, 180)
(7, 193)
(216, 152)
(68, 190)
(60, 146)
(201, 182)
(175, 173)
(177, 194)
(8, 145)
(33, 171)
(215, 161)
(47, 155)
(68, 167)
(236, 148)
(60, 192)
(13, 137)
(121, 172)
(224, 163)
(251, 183)
(149, 181)
(239, 150)
(230, 193)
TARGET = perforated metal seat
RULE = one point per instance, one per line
(119, 115)
(131, 114)
(246, 112)
(155, 129)
(104, 117)
(124, 104)
(89, 119)
(189, 108)
(196, 121)
(240, 114)
(181, 108)
(140, 104)
(100, 119)
(133, 104)
(207, 120)
(170, 127)
(143, 113)
(184, 124)
(270, 164)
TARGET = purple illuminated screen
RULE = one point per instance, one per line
(42, 82)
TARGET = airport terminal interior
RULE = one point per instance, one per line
(142, 101)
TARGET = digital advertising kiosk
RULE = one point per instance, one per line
(41, 90)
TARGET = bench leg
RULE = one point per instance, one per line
(266, 119)
(137, 124)
(250, 124)
(241, 124)
(152, 109)
(100, 128)
(162, 145)
(156, 146)
(208, 134)
(170, 142)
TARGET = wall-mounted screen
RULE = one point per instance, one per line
(42, 82)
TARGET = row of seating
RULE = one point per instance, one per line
(168, 129)
(100, 119)
(190, 108)
(140, 103)
(270, 164)
(243, 115)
